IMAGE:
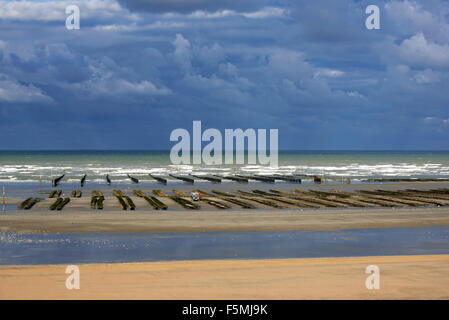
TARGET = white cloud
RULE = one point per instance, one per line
(354, 94)
(409, 10)
(331, 73)
(427, 76)
(135, 27)
(199, 14)
(143, 88)
(419, 52)
(27, 10)
(228, 69)
(107, 79)
(109, 87)
(210, 55)
(182, 54)
(267, 12)
(411, 17)
(234, 91)
(290, 64)
(435, 120)
(12, 91)
(55, 10)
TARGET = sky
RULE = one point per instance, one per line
(136, 70)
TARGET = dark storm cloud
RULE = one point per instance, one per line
(309, 68)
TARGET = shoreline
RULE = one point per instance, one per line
(401, 277)
(235, 220)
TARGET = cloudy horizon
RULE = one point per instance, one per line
(136, 70)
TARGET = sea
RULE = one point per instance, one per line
(41, 166)
(22, 172)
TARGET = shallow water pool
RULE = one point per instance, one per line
(23, 249)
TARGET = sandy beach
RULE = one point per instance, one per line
(401, 277)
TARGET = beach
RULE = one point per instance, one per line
(237, 220)
(78, 217)
(140, 239)
(401, 277)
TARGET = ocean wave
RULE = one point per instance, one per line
(118, 172)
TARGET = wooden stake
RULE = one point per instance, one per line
(3, 197)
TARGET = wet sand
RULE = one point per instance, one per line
(229, 220)
(401, 277)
